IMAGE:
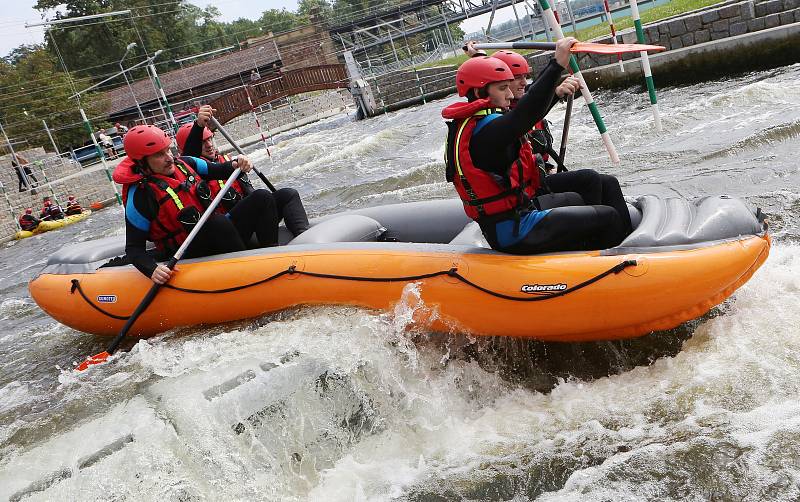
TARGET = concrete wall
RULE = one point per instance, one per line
(288, 111)
(700, 45)
(88, 185)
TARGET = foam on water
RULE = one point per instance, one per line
(341, 404)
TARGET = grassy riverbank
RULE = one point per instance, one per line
(673, 8)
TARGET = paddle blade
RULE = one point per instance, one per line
(613, 48)
(95, 359)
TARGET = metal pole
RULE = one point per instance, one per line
(519, 25)
(20, 168)
(158, 97)
(130, 88)
(52, 192)
(55, 146)
(447, 29)
(547, 12)
(10, 206)
(164, 97)
(571, 18)
(613, 29)
(101, 154)
(394, 51)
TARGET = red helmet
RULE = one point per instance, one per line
(29, 210)
(477, 72)
(515, 61)
(47, 203)
(144, 140)
(71, 197)
(183, 135)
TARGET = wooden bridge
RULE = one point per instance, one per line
(315, 78)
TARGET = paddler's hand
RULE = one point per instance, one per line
(161, 274)
(470, 49)
(568, 87)
(562, 50)
(204, 114)
(243, 163)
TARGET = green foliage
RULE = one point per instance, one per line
(32, 88)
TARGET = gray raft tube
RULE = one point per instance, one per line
(660, 224)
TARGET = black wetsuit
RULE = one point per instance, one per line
(287, 201)
(602, 223)
(23, 186)
(255, 213)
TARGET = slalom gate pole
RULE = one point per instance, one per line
(607, 9)
(547, 13)
(101, 154)
(648, 75)
(258, 124)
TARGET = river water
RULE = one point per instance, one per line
(346, 404)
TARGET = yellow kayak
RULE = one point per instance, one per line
(46, 226)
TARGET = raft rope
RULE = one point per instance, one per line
(453, 272)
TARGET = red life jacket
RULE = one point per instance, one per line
(179, 205)
(28, 222)
(480, 191)
(234, 195)
(74, 208)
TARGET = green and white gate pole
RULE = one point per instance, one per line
(550, 18)
(648, 75)
(163, 97)
(101, 154)
(613, 32)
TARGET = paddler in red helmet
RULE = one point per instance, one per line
(197, 140)
(491, 163)
(165, 196)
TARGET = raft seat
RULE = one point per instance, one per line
(345, 228)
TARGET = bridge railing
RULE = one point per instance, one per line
(292, 82)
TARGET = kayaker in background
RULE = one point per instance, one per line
(593, 187)
(50, 211)
(73, 207)
(28, 221)
(490, 162)
(197, 140)
(165, 196)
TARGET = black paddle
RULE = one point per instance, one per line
(565, 134)
(148, 298)
(228, 137)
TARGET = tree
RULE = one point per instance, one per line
(32, 88)
(277, 21)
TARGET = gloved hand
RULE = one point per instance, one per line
(541, 140)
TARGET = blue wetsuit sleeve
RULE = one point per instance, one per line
(140, 209)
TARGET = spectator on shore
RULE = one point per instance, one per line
(106, 142)
(24, 174)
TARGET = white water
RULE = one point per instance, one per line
(346, 404)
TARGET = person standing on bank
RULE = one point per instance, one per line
(197, 140)
(491, 164)
(24, 174)
(165, 196)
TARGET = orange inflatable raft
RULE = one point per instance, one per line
(681, 260)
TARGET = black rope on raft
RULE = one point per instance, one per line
(453, 272)
(76, 286)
